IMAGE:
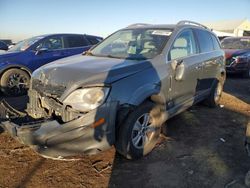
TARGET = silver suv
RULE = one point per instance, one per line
(121, 91)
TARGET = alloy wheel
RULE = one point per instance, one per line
(17, 83)
(143, 131)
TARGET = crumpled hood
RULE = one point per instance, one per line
(87, 70)
(229, 53)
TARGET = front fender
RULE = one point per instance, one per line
(144, 92)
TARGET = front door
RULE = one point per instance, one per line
(48, 50)
(186, 67)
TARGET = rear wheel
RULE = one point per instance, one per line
(215, 95)
(140, 132)
(15, 82)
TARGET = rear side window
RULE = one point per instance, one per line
(75, 41)
(205, 41)
(216, 43)
(93, 40)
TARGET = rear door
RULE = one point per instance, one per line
(184, 53)
(75, 44)
(210, 55)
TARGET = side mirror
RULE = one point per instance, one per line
(179, 68)
(40, 51)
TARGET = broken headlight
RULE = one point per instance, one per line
(87, 99)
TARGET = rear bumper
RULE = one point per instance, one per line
(54, 140)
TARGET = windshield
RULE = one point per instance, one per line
(133, 44)
(23, 45)
(236, 43)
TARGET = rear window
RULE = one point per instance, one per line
(94, 40)
(205, 41)
(75, 41)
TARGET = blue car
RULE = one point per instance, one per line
(18, 63)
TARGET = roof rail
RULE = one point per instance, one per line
(138, 25)
(184, 22)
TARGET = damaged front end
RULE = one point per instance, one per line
(47, 106)
(56, 130)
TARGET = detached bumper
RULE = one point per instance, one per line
(54, 140)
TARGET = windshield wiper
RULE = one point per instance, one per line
(111, 56)
(137, 58)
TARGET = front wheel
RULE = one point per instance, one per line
(140, 132)
(15, 82)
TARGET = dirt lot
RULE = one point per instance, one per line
(204, 148)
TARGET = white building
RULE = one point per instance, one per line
(230, 27)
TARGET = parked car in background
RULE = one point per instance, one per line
(3, 46)
(121, 91)
(7, 41)
(237, 51)
(17, 64)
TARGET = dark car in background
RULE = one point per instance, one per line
(7, 41)
(3, 46)
(17, 64)
(121, 91)
(237, 52)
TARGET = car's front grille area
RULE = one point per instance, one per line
(47, 107)
(48, 89)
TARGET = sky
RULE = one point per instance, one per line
(20, 19)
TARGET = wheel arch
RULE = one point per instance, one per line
(26, 69)
(144, 93)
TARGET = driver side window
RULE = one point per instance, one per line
(183, 46)
(53, 43)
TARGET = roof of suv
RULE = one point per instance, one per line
(182, 23)
(149, 26)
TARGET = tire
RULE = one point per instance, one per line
(214, 97)
(14, 82)
(138, 135)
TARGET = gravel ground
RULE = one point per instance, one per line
(203, 147)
